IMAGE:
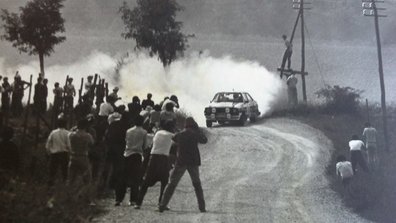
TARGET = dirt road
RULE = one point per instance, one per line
(272, 171)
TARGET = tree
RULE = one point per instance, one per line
(153, 25)
(340, 99)
(34, 30)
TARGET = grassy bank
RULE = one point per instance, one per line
(375, 193)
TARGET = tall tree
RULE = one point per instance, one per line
(34, 30)
(153, 25)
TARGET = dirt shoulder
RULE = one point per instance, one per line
(376, 200)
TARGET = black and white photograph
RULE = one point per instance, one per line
(198, 111)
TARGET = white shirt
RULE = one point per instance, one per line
(370, 134)
(58, 141)
(136, 140)
(356, 145)
(114, 117)
(344, 169)
(166, 102)
(105, 109)
(162, 142)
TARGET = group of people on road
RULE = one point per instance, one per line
(362, 154)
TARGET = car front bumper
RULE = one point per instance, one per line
(223, 117)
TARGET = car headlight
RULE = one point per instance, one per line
(213, 110)
(227, 110)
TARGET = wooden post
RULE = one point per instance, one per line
(107, 89)
(80, 90)
(27, 111)
(381, 76)
(368, 111)
(304, 90)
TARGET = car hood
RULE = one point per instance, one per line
(225, 105)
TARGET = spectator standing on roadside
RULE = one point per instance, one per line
(70, 93)
(148, 102)
(80, 142)
(115, 160)
(136, 140)
(188, 158)
(39, 96)
(370, 137)
(114, 95)
(356, 147)
(155, 116)
(168, 114)
(344, 170)
(116, 115)
(58, 98)
(100, 93)
(173, 99)
(9, 155)
(105, 110)
(58, 147)
(292, 91)
(89, 88)
(18, 88)
(5, 99)
(134, 108)
(158, 166)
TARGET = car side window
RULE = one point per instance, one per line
(250, 97)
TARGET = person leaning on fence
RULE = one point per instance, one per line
(81, 142)
(344, 170)
(356, 147)
(158, 165)
(58, 147)
(370, 136)
(188, 158)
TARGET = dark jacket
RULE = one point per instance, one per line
(187, 143)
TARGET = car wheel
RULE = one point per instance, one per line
(208, 123)
(253, 118)
(242, 120)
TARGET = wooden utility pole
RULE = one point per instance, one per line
(304, 90)
(373, 11)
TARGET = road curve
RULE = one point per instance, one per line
(272, 171)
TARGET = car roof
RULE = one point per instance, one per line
(231, 92)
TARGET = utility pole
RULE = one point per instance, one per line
(370, 9)
(300, 5)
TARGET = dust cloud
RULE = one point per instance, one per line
(194, 79)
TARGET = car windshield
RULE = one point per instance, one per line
(228, 97)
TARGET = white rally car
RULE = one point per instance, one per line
(231, 107)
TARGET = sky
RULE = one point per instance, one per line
(246, 30)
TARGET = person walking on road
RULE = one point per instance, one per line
(370, 137)
(188, 158)
(356, 145)
(158, 166)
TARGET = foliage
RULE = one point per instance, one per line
(153, 25)
(34, 30)
(340, 99)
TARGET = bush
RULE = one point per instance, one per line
(340, 99)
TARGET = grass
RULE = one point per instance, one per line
(375, 192)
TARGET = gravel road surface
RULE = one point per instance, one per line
(271, 171)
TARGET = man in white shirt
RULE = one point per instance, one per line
(58, 146)
(136, 141)
(344, 170)
(356, 147)
(370, 136)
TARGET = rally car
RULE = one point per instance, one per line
(234, 107)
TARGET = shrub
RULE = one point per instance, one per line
(340, 99)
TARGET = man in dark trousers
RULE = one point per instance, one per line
(188, 158)
(5, 99)
(287, 55)
(18, 88)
